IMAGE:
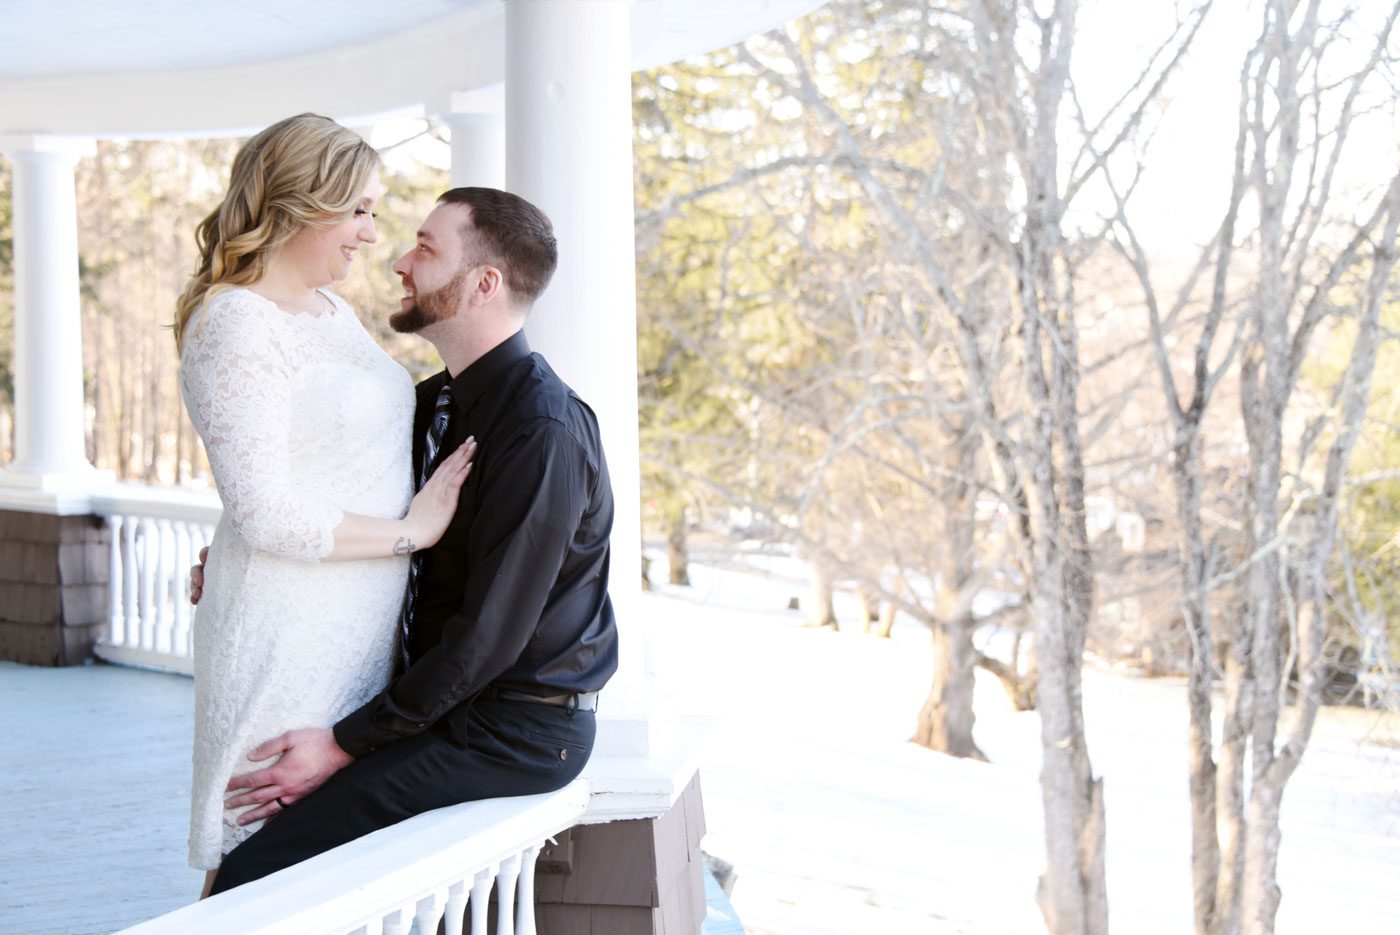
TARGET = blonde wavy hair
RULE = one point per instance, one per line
(305, 171)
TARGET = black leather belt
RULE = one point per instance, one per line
(581, 701)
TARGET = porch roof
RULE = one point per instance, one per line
(155, 68)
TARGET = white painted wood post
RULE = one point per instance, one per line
(505, 895)
(569, 151)
(456, 907)
(481, 899)
(428, 912)
(165, 600)
(116, 631)
(50, 452)
(179, 587)
(478, 126)
(525, 917)
(398, 922)
(146, 563)
(131, 614)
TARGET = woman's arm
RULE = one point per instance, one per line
(237, 383)
(359, 536)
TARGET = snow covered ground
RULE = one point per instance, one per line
(836, 824)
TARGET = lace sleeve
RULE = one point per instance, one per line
(237, 386)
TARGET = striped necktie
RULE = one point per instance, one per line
(442, 413)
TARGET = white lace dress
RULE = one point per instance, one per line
(303, 417)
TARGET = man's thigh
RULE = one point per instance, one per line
(505, 750)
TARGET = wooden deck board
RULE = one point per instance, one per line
(94, 798)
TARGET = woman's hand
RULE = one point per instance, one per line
(433, 506)
(197, 576)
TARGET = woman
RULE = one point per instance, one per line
(307, 425)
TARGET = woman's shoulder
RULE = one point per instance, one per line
(233, 302)
(231, 314)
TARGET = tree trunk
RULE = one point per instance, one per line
(823, 613)
(1072, 894)
(946, 719)
(1260, 898)
(7, 435)
(676, 550)
(182, 454)
(150, 391)
(1195, 611)
(1230, 786)
(125, 422)
(885, 625)
(869, 609)
(96, 438)
(1020, 689)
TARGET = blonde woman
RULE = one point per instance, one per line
(307, 425)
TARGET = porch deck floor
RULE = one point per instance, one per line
(94, 798)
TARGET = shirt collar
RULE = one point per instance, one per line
(468, 385)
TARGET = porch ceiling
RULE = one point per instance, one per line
(173, 67)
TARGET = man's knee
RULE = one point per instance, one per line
(239, 866)
(254, 859)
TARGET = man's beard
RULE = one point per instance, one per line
(429, 308)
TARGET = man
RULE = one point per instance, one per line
(508, 632)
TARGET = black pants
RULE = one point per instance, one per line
(492, 748)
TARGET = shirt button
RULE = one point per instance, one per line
(563, 754)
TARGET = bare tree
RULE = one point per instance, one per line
(1267, 290)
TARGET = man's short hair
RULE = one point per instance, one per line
(514, 235)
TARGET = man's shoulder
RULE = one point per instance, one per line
(543, 394)
(551, 405)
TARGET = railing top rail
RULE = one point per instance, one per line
(337, 891)
(158, 503)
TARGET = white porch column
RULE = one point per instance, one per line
(569, 151)
(50, 456)
(477, 122)
(478, 149)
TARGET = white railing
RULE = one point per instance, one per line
(154, 536)
(440, 866)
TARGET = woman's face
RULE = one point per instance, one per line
(323, 255)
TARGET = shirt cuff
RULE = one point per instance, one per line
(353, 731)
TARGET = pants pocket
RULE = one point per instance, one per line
(565, 744)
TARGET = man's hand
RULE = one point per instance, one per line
(197, 576)
(308, 757)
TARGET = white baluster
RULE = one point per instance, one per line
(115, 622)
(398, 922)
(505, 895)
(525, 909)
(165, 570)
(481, 899)
(456, 907)
(374, 926)
(201, 536)
(145, 544)
(180, 590)
(429, 912)
(129, 613)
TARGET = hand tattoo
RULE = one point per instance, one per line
(404, 546)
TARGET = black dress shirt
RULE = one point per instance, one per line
(516, 592)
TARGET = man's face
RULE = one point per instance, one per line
(435, 271)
